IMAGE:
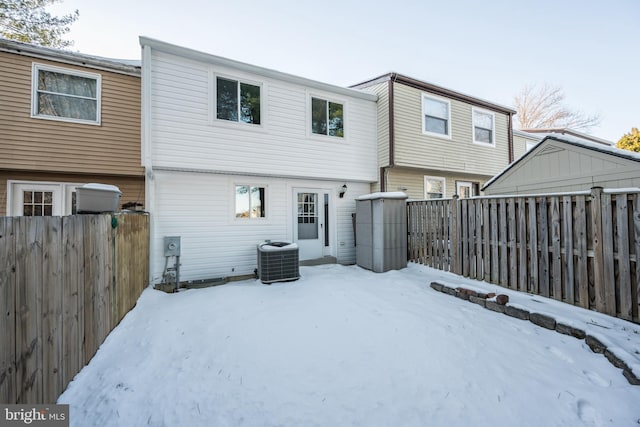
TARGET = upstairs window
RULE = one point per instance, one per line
(483, 127)
(250, 201)
(237, 101)
(437, 116)
(327, 118)
(66, 95)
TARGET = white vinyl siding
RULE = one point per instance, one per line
(414, 148)
(186, 135)
(214, 244)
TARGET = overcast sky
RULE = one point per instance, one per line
(488, 49)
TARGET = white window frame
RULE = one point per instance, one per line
(460, 184)
(265, 207)
(435, 178)
(214, 101)
(475, 110)
(62, 193)
(36, 67)
(437, 99)
(328, 99)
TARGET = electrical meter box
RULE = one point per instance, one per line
(172, 246)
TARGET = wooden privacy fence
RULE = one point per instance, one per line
(578, 248)
(65, 283)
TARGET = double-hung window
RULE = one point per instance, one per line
(434, 187)
(483, 127)
(65, 94)
(250, 201)
(237, 101)
(327, 117)
(436, 114)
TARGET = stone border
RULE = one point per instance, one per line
(501, 305)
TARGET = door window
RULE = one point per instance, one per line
(307, 216)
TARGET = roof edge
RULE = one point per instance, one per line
(68, 57)
(197, 55)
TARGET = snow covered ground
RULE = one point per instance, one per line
(347, 347)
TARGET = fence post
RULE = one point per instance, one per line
(596, 240)
(455, 236)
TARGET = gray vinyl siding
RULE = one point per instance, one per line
(557, 167)
(413, 181)
(520, 144)
(382, 90)
(415, 149)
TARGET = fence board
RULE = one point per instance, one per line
(466, 257)
(567, 239)
(504, 278)
(51, 310)
(635, 291)
(556, 256)
(486, 247)
(625, 310)
(580, 232)
(533, 245)
(607, 256)
(513, 254)
(543, 274)
(522, 245)
(478, 239)
(598, 261)
(494, 262)
(8, 385)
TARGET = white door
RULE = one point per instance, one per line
(464, 189)
(309, 227)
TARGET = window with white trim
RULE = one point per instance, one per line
(436, 115)
(327, 117)
(237, 101)
(33, 198)
(483, 127)
(434, 187)
(64, 94)
(250, 201)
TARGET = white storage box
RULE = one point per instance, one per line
(96, 198)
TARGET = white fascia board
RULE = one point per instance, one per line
(266, 72)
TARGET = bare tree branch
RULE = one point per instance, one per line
(541, 107)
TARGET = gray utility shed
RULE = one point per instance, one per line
(381, 231)
(560, 164)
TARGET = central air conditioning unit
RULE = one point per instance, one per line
(278, 262)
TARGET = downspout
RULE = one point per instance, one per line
(147, 161)
(391, 163)
(510, 138)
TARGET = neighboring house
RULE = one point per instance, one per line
(66, 119)
(524, 140)
(565, 164)
(236, 154)
(434, 142)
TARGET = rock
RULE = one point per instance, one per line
(502, 299)
(477, 300)
(543, 320)
(448, 290)
(460, 293)
(518, 313)
(570, 330)
(595, 345)
(437, 286)
(615, 360)
(490, 295)
(494, 306)
(633, 380)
